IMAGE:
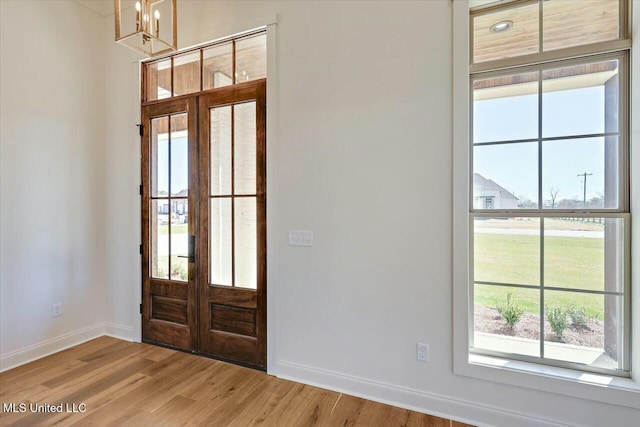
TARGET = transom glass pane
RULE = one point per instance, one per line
(506, 33)
(251, 58)
(569, 23)
(158, 80)
(186, 73)
(218, 66)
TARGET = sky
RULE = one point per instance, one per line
(179, 170)
(515, 167)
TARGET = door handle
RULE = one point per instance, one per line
(192, 250)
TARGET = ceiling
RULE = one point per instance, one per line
(566, 23)
(101, 7)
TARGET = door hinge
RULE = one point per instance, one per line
(141, 189)
(140, 249)
(140, 129)
(140, 308)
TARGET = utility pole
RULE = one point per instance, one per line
(584, 187)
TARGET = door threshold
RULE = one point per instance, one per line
(207, 355)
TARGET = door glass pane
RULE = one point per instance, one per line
(220, 151)
(505, 108)
(218, 66)
(581, 99)
(220, 242)
(179, 155)
(158, 80)
(584, 253)
(583, 328)
(159, 167)
(251, 58)
(159, 254)
(507, 250)
(245, 148)
(580, 173)
(505, 176)
(507, 319)
(186, 73)
(506, 33)
(570, 23)
(179, 239)
(245, 242)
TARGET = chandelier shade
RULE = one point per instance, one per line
(147, 26)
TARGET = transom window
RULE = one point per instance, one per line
(222, 64)
(549, 199)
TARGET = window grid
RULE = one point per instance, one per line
(231, 195)
(234, 78)
(621, 212)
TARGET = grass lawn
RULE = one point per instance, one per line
(179, 268)
(572, 262)
(175, 229)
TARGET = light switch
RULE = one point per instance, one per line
(300, 238)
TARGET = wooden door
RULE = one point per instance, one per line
(169, 201)
(232, 223)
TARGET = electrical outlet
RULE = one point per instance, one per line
(57, 310)
(422, 352)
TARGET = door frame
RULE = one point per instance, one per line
(198, 284)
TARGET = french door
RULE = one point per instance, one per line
(204, 223)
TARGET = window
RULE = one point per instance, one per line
(549, 204)
(221, 64)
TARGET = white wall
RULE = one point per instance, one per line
(52, 209)
(361, 156)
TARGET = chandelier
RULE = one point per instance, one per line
(147, 26)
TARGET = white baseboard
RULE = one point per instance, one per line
(403, 397)
(117, 330)
(415, 400)
(33, 352)
(53, 345)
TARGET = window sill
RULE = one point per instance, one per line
(568, 382)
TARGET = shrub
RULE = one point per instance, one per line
(161, 272)
(578, 315)
(510, 311)
(557, 317)
(178, 271)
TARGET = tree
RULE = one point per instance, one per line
(553, 192)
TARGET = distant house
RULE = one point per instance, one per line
(490, 195)
(178, 211)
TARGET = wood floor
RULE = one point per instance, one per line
(125, 383)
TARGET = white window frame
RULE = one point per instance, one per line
(566, 381)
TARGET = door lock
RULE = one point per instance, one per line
(192, 250)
